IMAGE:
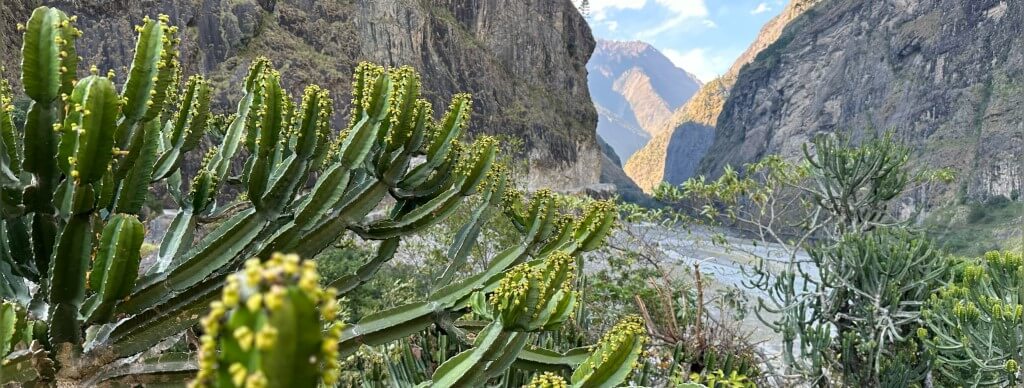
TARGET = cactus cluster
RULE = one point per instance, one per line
(75, 174)
(974, 324)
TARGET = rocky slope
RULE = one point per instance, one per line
(944, 75)
(676, 150)
(524, 62)
(635, 88)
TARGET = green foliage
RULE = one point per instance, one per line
(974, 324)
(871, 287)
(846, 312)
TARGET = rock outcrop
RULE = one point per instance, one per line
(524, 62)
(636, 89)
(946, 76)
(676, 150)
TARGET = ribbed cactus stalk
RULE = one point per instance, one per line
(974, 324)
(615, 356)
(274, 326)
(532, 298)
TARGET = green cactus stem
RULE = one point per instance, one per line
(274, 326)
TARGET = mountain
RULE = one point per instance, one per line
(675, 152)
(524, 62)
(635, 89)
(946, 76)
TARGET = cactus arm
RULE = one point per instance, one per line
(388, 326)
(274, 326)
(10, 158)
(365, 272)
(69, 132)
(615, 357)
(216, 250)
(457, 292)
(12, 284)
(40, 155)
(48, 61)
(430, 213)
(164, 369)
(131, 195)
(116, 265)
(540, 359)
(188, 127)
(98, 122)
(315, 240)
(141, 83)
(40, 57)
(467, 236)
(450, 128)
(221, 161)
(327, 191)
(295, 171)
(270, 127)
(178, 239)
(17, 240)
(466, 368)
(439, 180)
(67, 281)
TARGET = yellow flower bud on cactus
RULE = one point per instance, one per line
(548, 380)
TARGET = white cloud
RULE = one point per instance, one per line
(612, 25)
(599, 8)
(701, 62)
(761, 8)
(685, 8)
(682, 11)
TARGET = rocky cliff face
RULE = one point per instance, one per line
(947, 76)
(636, 89)
(524, 62)
(676, 150)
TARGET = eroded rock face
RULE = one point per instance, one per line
(946, 76)
(524, 62)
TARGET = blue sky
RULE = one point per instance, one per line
(703, 37)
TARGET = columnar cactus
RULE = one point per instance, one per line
(74, 177)
(273, 326)
(975, 325)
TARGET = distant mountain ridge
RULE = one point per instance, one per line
(635, 89)
(676, 150)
